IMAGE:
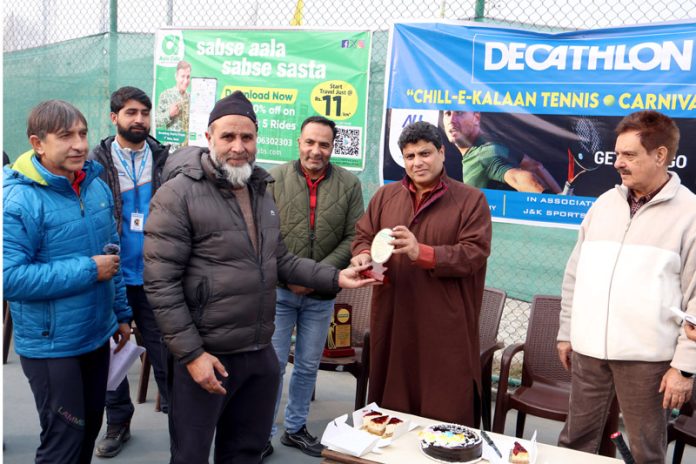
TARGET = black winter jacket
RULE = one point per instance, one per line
(209, 289)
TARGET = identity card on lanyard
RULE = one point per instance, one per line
(137, 219)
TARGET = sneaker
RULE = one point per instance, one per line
(267, 450)
(112, 443)
(304, 441)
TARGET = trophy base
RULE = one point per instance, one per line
(338, 352)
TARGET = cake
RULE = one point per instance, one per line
(376, 425)
(519, 455)
(391, 426)
(380, 424)
(451, 443)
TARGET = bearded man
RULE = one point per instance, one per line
(213, 256)
(133, 163)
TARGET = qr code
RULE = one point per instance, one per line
(347, 142)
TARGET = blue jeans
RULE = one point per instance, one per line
(312, 318)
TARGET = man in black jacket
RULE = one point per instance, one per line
(213, 257)
(133, 164)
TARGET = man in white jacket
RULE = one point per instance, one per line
(635, 259)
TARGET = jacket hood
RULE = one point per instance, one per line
(25, 166)
(185, 160)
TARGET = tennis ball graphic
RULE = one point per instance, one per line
(609, 100)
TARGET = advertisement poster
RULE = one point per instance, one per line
(529, 117)
(288, 74)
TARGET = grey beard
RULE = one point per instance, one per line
(237, 176)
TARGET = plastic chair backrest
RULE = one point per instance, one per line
(491, 313)
(540, 354)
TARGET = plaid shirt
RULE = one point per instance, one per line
(636, 203)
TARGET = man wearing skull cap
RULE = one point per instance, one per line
(213, 256)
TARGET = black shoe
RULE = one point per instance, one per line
(267, 451)
(112, 443)
(304, 441)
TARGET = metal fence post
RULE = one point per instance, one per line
(480, 10)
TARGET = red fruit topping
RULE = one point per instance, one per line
(380, 420)
(518, 449)
(394, 420)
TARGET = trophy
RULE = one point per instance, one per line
(380, 251)
(338, 341)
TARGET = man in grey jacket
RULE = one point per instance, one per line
(213, 257)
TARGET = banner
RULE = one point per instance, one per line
(287, 74)
(529, 117)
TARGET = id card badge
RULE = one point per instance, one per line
(137, 222)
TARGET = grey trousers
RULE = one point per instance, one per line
(636, 384)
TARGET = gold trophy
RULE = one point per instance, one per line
(338, 341)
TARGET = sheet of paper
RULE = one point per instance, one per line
(120, 362)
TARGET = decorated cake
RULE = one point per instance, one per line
(451, 443)
(519, 455)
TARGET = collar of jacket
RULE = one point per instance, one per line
(406, 181)
(155, 146)
(29, 166)
(298, 169)
(667, 193)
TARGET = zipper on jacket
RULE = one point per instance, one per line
(312, 239)
(259, 260)
(82, 206)
(611, 281)
(312, 234)
(616, 262)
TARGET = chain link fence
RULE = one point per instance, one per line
(82, 50)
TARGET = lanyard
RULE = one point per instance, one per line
(130, 170)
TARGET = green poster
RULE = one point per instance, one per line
(288, 74)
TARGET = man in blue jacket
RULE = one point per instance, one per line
(133, 164)
(66, 295)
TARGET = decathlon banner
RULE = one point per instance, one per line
(529, 117)
(288, 74)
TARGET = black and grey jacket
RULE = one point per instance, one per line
(209, 288)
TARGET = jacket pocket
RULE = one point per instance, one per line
(202, 295)
(49, 322)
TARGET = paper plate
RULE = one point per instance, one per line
(381, 250)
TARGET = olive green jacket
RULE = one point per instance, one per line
(339, 206)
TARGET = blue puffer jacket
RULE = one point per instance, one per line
(50, 234)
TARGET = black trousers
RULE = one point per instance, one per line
(69, 395)
(240, 420)
(119, 407)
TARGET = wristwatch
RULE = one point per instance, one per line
(687, 375)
